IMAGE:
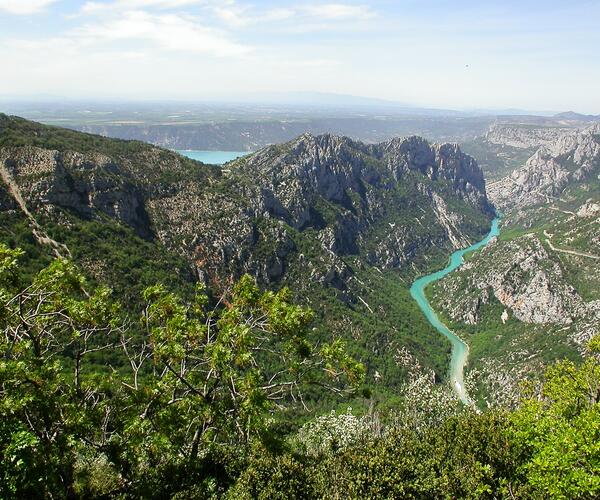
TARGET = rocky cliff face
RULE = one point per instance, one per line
(338, 196)
(569, 159)
(337, 169)
(86, 184)
(343, 196)
(526, 278)
(524, 137)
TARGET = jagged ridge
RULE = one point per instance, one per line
(330, 216)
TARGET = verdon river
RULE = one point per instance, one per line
(460, 350)
(212, 157)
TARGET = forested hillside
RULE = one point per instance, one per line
(346, 225)
(179, 330)
(193, 410)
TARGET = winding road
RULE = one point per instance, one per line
(564, 250)
(460, 350)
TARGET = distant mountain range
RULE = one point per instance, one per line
(571, 115)
(315, 101)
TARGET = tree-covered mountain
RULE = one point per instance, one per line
(185, 380)
(346, 225)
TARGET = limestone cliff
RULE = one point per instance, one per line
(568, 159)
(524, 136)
(347, 197)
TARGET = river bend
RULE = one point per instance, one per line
(460, 350)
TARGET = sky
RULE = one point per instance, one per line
(528, 54)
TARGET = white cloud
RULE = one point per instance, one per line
(231, 13)
(239, 16)
(23, 7)
(338, 11)
(138, 32)
(304, 17)
(165, 31)
(95, 6)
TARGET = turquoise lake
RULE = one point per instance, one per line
(460, 350)
(212, 157)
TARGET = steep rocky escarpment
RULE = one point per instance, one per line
(527, 279)
(533, 295)
(343, 222)
(524, 136)
(334, 195)
(526, 300)
(570, 159)
(507, 146)
(83, 183)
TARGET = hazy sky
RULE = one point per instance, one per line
(532, 54)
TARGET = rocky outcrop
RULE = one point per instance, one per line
(527, 280)
(521, 277)
(326, 196)
(335, 167)
(11, 199)
(569, 159)
(590, 208)
(524, 136)
(438, 161)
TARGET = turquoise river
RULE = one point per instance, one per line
(460, 350)
(212, 157)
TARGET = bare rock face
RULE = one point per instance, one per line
(332, 167)
(589, 209)
(527, 281)
(329, 166)
(344, 190)
(386, 203)
(521, 279)
(445, 161)
(83, 183)
(571, 157)
(524, 137)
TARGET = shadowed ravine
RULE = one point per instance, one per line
(460, 350)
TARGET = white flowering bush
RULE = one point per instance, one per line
(332, 432)
(425, 403)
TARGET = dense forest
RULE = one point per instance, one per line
(191, 398)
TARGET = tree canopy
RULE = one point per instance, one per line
(180, 401)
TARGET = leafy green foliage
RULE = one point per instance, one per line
(560, 431)
(200, 380)
(43, 406)
(548, 448)
(274, 477)
(193, 416)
